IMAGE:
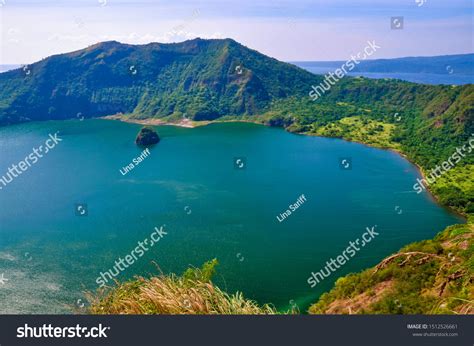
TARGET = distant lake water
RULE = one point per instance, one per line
(423, 78)
(209, 207)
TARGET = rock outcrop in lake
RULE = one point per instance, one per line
(147, 136)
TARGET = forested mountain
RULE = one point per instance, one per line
(203, 78)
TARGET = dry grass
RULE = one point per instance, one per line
(171, 295)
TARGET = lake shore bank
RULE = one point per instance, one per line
(153, 121)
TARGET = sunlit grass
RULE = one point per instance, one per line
(192, 293)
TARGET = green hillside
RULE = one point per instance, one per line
(203, 78)
(428, 277)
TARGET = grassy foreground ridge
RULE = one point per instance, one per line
(191, 293)
(427, 277)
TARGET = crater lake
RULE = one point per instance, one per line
(51, 254)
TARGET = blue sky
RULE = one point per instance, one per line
(284, 29)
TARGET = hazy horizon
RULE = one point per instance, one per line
(289, 61)
(303, 30)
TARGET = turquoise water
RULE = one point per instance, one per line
(210, 209)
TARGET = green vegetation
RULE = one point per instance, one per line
(191, 293)
(147, 136)
(202, 79)
(456, 188)
(428, 277)
(359, 129)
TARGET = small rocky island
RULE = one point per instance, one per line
(147, 136)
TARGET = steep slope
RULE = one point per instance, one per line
(428, 277)
(203, 78)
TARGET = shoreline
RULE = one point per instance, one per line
(419, 169)
(187, 123)
(427, 187)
